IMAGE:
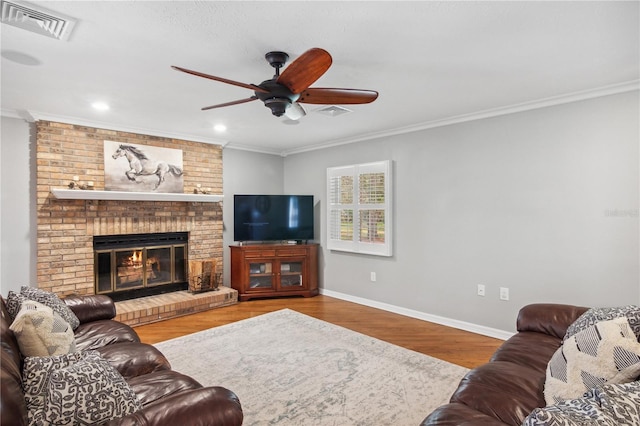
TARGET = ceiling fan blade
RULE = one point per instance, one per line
(295, 111)
(241, 101)
(305, 70)
(220, 79)
(337, 96)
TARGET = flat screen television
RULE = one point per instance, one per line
(273, 217)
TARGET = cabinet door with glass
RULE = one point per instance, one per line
(261, 275)
(291, 273)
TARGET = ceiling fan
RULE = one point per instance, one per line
(283, 93)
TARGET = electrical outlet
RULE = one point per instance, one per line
(481, 290)
(504, 293)
(373, 277)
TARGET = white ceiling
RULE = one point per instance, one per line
(432, 63)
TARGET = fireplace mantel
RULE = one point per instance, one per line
(78, 194)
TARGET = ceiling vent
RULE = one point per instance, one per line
(333, 110)
(40, 20)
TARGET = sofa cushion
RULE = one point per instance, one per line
(595, 315)
(158, 385)
(15, 300)
(503, 390)
(133, 359)
(611, 405)
(97, 391)
(42, 332)
(606, 352)
(528, 348)
(98, 334)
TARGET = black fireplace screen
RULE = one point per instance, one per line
(140, 264)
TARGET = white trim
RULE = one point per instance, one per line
(356, 245)
(240, 147)
(41, 116)
(78, 194)
(613, 89)
(460, 325)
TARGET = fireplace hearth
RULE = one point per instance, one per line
(137, 265)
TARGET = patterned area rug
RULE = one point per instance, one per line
(291, 369)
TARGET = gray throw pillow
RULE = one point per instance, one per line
(13, 303)
(594, 315)
(610, 405)
(80, 390)
(53, 301)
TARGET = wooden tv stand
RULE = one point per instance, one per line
(272, 270)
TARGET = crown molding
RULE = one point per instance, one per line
(629, 86)
(613, 89)
(257, 150)
(42, 116)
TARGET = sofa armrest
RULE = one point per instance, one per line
(210, 406)
(91, 307)
(548, 318)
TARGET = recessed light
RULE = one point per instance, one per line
(100, 106)
(220, 128)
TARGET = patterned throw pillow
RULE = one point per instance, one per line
(14, 303)
(53, 301)
(607, 352)
(594, 315)
(35, 376)
(42, 332)
(611, 405)
(98, 392)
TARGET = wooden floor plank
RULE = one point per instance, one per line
(456, 346)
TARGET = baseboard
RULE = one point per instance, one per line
(461, 325)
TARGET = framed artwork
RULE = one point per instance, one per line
(142, 168)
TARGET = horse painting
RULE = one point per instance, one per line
(141, 165)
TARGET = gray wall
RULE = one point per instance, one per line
(17, 209)
(543, 202)
(246, 172)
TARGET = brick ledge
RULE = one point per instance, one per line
(146, 310)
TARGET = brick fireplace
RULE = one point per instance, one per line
(66, 228)
(137, 265)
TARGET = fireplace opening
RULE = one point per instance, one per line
(137, 265)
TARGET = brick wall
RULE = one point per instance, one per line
(66, 227)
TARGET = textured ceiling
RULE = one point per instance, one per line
(431, 62)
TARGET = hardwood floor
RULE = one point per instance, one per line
(450, 344)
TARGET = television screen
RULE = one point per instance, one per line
(272, 217)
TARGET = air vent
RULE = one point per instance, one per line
(333, 110)
(40, 20)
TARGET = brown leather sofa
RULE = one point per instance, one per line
(167, 397)
(506, 389)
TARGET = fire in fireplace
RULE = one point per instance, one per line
(137, 265)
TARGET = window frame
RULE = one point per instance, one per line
(355, 171)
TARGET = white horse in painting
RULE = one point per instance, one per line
(141, 165)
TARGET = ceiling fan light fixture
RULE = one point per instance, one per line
(277, 105)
